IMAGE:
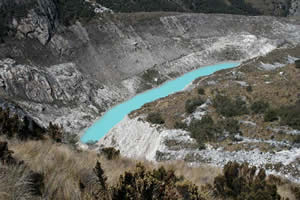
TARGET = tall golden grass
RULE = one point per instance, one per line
(63, 167)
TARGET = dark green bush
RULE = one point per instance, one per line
(296, 139)
(241, 182)
(156, 184)
(290, 116)
(296, 191)
(71, 10)
(27, 129)
(155, 118)
(259, 107)
(6, 157)
(204, 130)
(201, 91)
(230, 125)
(180, 125)
(14, 127)
(55, 132)
(202, 6)
(140, 5)
(228, 107)
(249, 88)
(270, 115)
(110, 153)
(149, 75)
(297, 63)
(192, 104)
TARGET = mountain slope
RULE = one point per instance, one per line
(80, 70)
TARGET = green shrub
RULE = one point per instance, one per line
(290, 116)
(230, 125)
(201, 145)
(155, 118)
(228, 107)
(202, 6)
(110, 153)
(270, 115)
(156, 184)
(6, 157)
(204, 130)
(14, 127)
(239, 181)
(192, 104)
(55, 132)
(296, 139)
(141, 5)
(152, 76)
(249, 88)
(180, 125)
(201, 91)
(297, 63)
(259, 107)
(71, 10)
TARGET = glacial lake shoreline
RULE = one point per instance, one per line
(114, 115)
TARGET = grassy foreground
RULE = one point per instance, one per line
(45, 169)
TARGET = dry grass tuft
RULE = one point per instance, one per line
(15, 183)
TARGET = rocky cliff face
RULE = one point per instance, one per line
(36, 19)
(71, 75)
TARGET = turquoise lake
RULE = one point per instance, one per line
(117, 113)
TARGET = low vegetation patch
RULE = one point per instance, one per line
(156, 184)
(12, 126)
(150, 75)
(240, 181)
(297, 63)
(192, 104)
(155, 118)
(201, 91)
(290, 115)
(270, 115)
(230, 107)
(72, 10)
(249, 88)
(206, 130)
(259, 107)
(180, 125)
(230, 126)
(110, 153)
(202, 6)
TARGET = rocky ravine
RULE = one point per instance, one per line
(71, 75)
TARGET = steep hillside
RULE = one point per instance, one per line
(72, 72)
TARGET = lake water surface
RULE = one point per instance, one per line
(117, 113)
